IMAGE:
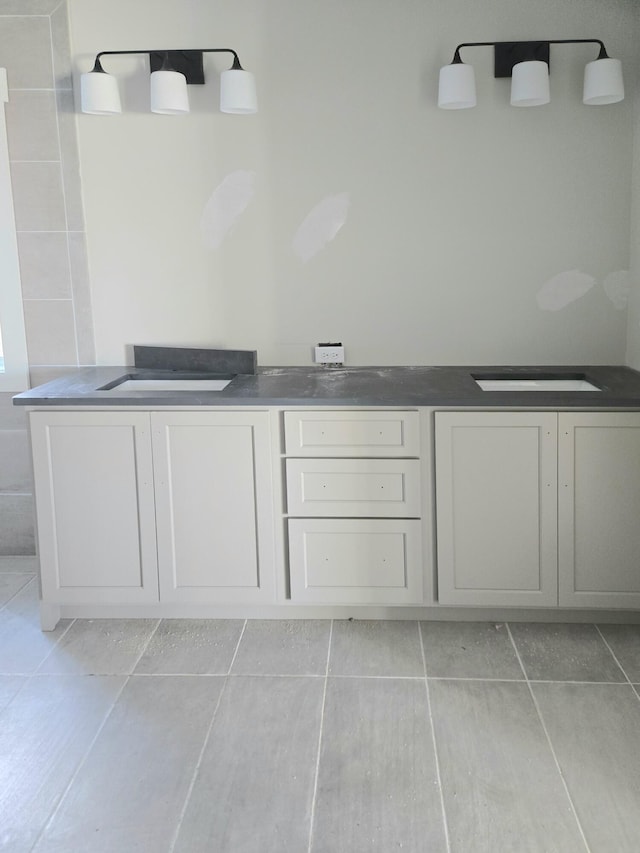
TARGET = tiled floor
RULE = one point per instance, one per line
(233, 737)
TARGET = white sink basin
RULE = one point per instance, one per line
(536, 385)
(171, 385)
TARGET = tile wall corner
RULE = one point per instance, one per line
(45, 173)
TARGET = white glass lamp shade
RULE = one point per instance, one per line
(530, 84)
(99, 94)
(169, 93)
(603, 83)
(238, 92)
(457, 87)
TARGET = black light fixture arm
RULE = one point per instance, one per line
(187, 62)
(509, 53)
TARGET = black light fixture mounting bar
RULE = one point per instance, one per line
(509, 53)
(187, 62)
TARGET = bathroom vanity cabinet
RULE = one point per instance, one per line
(538, 508)
(353, 490)
(141, 507)
(284, 510)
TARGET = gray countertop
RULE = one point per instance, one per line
(353, 386)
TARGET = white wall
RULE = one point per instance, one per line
(633, 328)
(458, 223)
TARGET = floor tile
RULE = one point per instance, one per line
(377, 784)
(10, 584)
(23, 646)
(381, 648)
(502, 790)
(129, 793)
(274, 647)
(469, 650)
(100, 647)
(595, 731)
(625, 644)
(9, 687)
(553, 652)
(255, 785)
(44, 734)
(192, 646)
(28, 565)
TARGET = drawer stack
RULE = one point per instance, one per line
(354, 506)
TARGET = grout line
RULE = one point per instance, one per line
(314, 675)
(317, 773)
(523, 680)
(146, 646)
(65, 199)
(53, 648)
(546, 732)
(196, 771)
(433, 741)
(235, 654)
(629, 682)
(92, 743)
(19, 590)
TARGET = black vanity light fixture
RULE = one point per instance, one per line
(171, 70)
(527, 63)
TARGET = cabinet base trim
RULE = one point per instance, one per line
(292, 611)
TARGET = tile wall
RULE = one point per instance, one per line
(45, 174)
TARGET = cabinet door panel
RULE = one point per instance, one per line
(94, 499)
(213, 501)
(496, 477)
(599, 509)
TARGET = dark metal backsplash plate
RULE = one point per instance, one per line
(188, 358)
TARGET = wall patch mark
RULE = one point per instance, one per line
(617, 286)
(227, 203)
(320, 226)
(563, 289)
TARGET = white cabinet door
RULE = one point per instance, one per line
(355, 561)
(496, 504)
(214, 506)
(599, 509)
(95, 507)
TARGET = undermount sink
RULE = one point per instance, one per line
(535, 383)
(135, 382)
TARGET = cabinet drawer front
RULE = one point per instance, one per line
(352, 433)
(354, 487)
(355, 561)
